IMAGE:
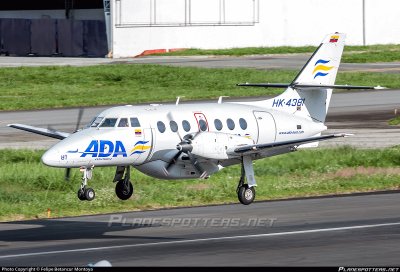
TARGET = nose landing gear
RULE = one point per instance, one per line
(83, 192)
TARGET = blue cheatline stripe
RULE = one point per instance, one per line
(137, 152)
(321, 61)
(320, 74)
(141, 142)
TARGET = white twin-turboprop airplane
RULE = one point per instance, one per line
(184, 141)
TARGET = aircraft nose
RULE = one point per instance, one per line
(51, 157)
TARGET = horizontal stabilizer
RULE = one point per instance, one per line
(311, 86)
(41, 131)
(265, 85)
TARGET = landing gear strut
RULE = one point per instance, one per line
(83, 192)
(124, 187)
(246, 192)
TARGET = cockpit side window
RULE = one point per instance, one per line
(96, 121)
(109, 122)
(135, 122)
(123, 122)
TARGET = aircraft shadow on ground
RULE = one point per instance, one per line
(49, 230)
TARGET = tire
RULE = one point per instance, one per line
(246, 195)
(81, 195)
(89, 194)
(123, 192)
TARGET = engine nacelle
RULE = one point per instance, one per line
(215, 145)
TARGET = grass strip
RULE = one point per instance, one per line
(27, 88)
(352, 54)
(395, 121)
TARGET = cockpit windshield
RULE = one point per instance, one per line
(96, 121)
(109, 122)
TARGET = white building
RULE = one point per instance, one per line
(139, 25)
(136, 26)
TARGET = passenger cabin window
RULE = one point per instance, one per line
(96, 121)
(203, 125)
(243, 123)
(230, 124)
(186, 125)
(161, 126)
(174, 126)
(135, 122)
(123, 122)
(218, 124)
(109, 122)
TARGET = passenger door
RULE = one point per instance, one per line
(266, 127)
(201, 120)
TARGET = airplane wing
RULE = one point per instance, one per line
(258, 148)
(41, 131)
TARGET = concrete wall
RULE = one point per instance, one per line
(139, 25)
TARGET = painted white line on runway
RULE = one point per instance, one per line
(200, 240)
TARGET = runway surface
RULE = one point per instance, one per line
(363, 113)
(361, 230)
(262, 62)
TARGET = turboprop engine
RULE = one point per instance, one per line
(212, 145)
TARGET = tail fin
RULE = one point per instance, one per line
(309, 94)
(323, 65)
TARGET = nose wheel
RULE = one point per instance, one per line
(85, 193)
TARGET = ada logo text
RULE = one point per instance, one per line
(104, 148)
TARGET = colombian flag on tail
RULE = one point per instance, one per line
(334, 38)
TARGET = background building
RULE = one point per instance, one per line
(127, 28)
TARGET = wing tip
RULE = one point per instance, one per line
(343, 135)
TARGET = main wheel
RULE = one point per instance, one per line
(124, 190)
(81, 194)
(89, 194)
(246, 194)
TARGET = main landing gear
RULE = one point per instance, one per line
(124, 187)
(246, 192)
(83, 192)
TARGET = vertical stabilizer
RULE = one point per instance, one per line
(321, 69)
(323, 65)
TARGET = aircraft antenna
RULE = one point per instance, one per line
(178, 99)
(220, 98)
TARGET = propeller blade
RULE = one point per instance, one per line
(196, 165)
(173, 160)
(171, 118)
(78, 122)
(67, 174)
(50, 128)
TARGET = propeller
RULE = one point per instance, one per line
(78, 123)
(177, 155)
(184, 146)
(67, 174)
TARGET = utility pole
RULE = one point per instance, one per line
(363, 22)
